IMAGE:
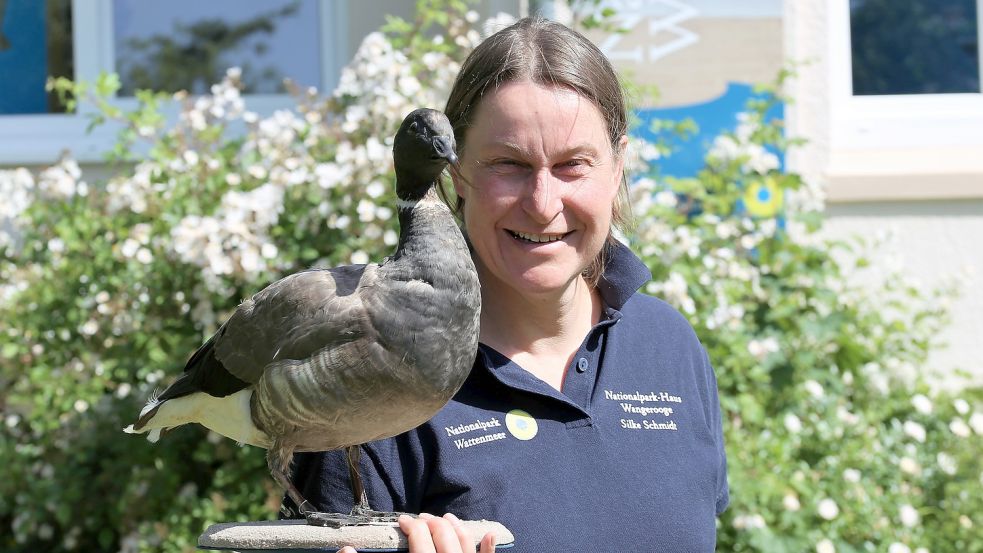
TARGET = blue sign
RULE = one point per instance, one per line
(712, 118)
(23, 57)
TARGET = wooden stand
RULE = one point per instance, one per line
(296, 536)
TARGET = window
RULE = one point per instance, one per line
(914, 46)
(178, 44)
(903, 111)
(188, 44)
(905, 73)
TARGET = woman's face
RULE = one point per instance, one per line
(539, 179)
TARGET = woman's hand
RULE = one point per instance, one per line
(430, 534)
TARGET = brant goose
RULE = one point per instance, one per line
(332, 358)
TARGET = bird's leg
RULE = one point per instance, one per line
(278, 459)
(352, 453)
(361, 511)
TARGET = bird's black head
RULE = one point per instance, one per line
(423, 146)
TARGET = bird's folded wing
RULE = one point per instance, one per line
(293, 318)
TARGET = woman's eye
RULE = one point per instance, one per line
(507, 165)
(573, 166)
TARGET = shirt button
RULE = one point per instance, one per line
(581, 365)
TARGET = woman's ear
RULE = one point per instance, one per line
(460, 181)
(620, 153)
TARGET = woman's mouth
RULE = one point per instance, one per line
(535, 238)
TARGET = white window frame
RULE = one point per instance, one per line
(38, 139)
(895, 121)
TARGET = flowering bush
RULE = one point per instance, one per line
(106, 288)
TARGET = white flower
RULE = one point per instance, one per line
(846, 416)
(233, 179)
(665, 198)
(761, 348)
(914, 430)
(791, 502)
(15, 189)
(89, 328)
(851, 475)
(12, 420)
(976, 421)
(749, 522)
(965, 522)
(329, 174)
(814, 388)
(825, 546)
(908, 515)
(910, 466)
(792, 423)
(947, 463)
(827, 509)
(922, 404)
(56, 245)
(390, 238)
(81, 405)
(190, 157)
(961, 405)
(959, 428)
(496, 23)
(61, 181)
(359, 257)
(144, 256)
(898, 547)
(375, 189)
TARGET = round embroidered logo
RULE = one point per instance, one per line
(521, 424)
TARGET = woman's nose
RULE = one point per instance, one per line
(543, 201)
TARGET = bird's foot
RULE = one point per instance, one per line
(360, 516)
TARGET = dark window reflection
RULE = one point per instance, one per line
(914, 46)
(35, 43)
(189, 44)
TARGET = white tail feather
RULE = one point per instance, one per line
(229, 416)
(154, 401)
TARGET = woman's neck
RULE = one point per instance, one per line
(540, 332)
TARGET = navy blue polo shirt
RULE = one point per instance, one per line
(628, 457)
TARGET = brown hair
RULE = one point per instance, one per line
(551, 54)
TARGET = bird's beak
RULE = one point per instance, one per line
(445, 149)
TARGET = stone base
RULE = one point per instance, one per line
(296, 536)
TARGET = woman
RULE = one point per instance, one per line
(590, 420)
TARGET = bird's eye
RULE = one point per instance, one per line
(414, 126)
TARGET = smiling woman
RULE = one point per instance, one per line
(596, 382)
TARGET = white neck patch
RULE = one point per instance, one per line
(425, 202)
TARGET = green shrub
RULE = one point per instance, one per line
(106, 288)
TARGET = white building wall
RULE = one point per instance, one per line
(929, 198)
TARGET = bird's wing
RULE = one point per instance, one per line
(292, 319)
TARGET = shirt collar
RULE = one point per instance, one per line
(624, 273)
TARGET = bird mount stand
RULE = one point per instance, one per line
(296, 536)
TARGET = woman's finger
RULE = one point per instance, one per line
(488, 543)
(446, 538)
(417, 534)
(463, 537)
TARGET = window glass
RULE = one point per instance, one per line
(189, 44)
(914, 46)
(35, 43)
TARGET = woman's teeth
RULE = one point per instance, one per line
(538, 238)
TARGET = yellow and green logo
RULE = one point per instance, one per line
(763, 198)
(521, 424)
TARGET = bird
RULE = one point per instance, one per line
(332, 358)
